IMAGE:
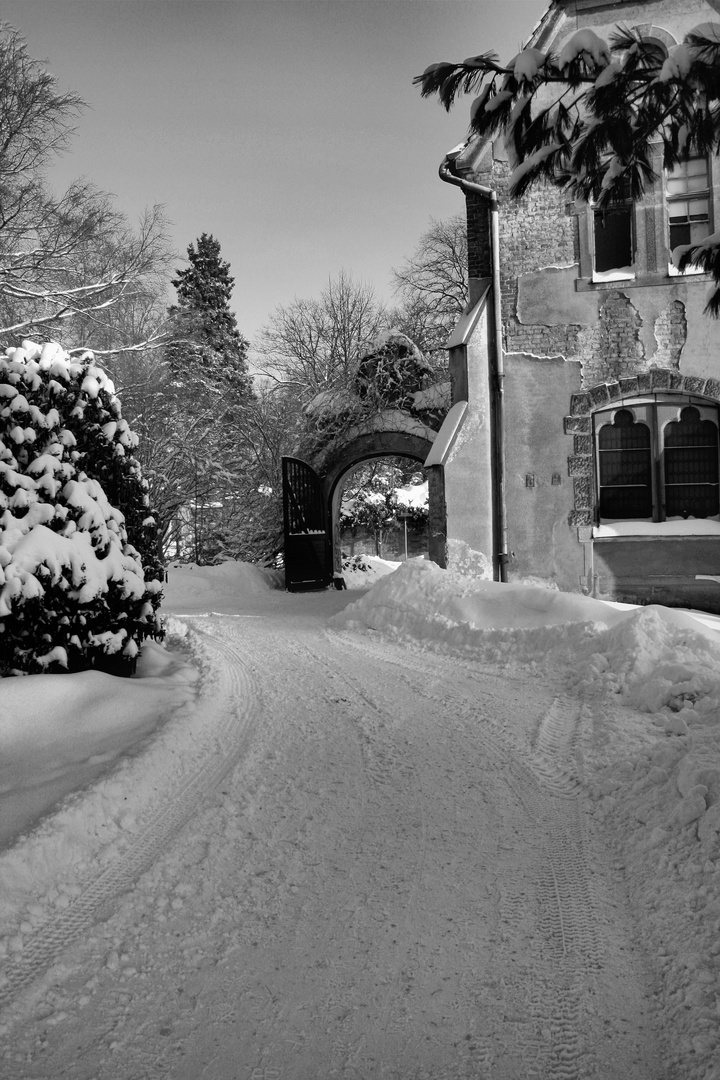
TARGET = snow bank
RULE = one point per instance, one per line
(82, 733)
(495, 622)
(655, 657)
(660, 660)
(362, 571)
(191, 588)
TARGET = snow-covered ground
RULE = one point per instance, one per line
(433, 828)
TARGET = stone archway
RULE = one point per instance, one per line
(391, 409)
(375, 445)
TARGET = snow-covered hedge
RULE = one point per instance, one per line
(80, 578)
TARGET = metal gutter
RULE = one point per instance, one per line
(497, 370)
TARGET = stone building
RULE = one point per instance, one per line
(582, 446)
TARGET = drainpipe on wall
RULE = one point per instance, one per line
(497, 371)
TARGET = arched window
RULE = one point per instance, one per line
(657, 459)
(691, 466)
(625, 468)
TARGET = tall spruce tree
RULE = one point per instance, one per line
(209, 350)
(209, 389)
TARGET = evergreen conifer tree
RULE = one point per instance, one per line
(211, 387)
(209, 352)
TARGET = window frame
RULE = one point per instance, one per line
(657, 411)
(687, 196)
(618, 273)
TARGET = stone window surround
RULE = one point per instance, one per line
(578, 423)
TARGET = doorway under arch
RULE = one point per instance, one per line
(379, 507)
(383, 444)
(313, 553)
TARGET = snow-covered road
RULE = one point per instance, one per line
(381, 863)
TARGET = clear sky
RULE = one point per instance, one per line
(289, 129)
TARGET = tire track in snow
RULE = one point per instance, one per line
(541, 771)
(232, 693)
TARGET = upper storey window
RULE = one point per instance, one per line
(614, 239)
(687, 195)
(613, 242)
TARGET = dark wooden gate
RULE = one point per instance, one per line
(307, 546)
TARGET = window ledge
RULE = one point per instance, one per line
(622, 273)
(690, 271)
(645, 282)
(656, 530)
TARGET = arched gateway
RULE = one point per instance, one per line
(405, 426)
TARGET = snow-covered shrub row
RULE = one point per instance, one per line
(80, 579)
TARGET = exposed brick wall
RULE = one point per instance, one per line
(612, 349)
(535, 231)
(546, 341)
(478, 230)
(540, 231)
(670, 334)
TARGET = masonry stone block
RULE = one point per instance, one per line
(659, 379)
(580, 465)
(576, 424)
(580, 404)
(578, 518)
(583, 487)
(599, 395)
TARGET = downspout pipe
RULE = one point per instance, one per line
(497, 413)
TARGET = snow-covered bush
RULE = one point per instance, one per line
(80, 578)
(391, 371)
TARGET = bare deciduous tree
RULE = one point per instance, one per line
(68, 263)
(313, 345)
(432, 288)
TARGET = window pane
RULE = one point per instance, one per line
(625, 467)
(678, 210)
(698, 231)
(698, 208)
(696, 166)
(692, 500)
(625, 504)
(684, 179)
(691, 466)
(613, 239)
(679, 234)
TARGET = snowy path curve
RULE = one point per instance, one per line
(396, 877)
(217, 750)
